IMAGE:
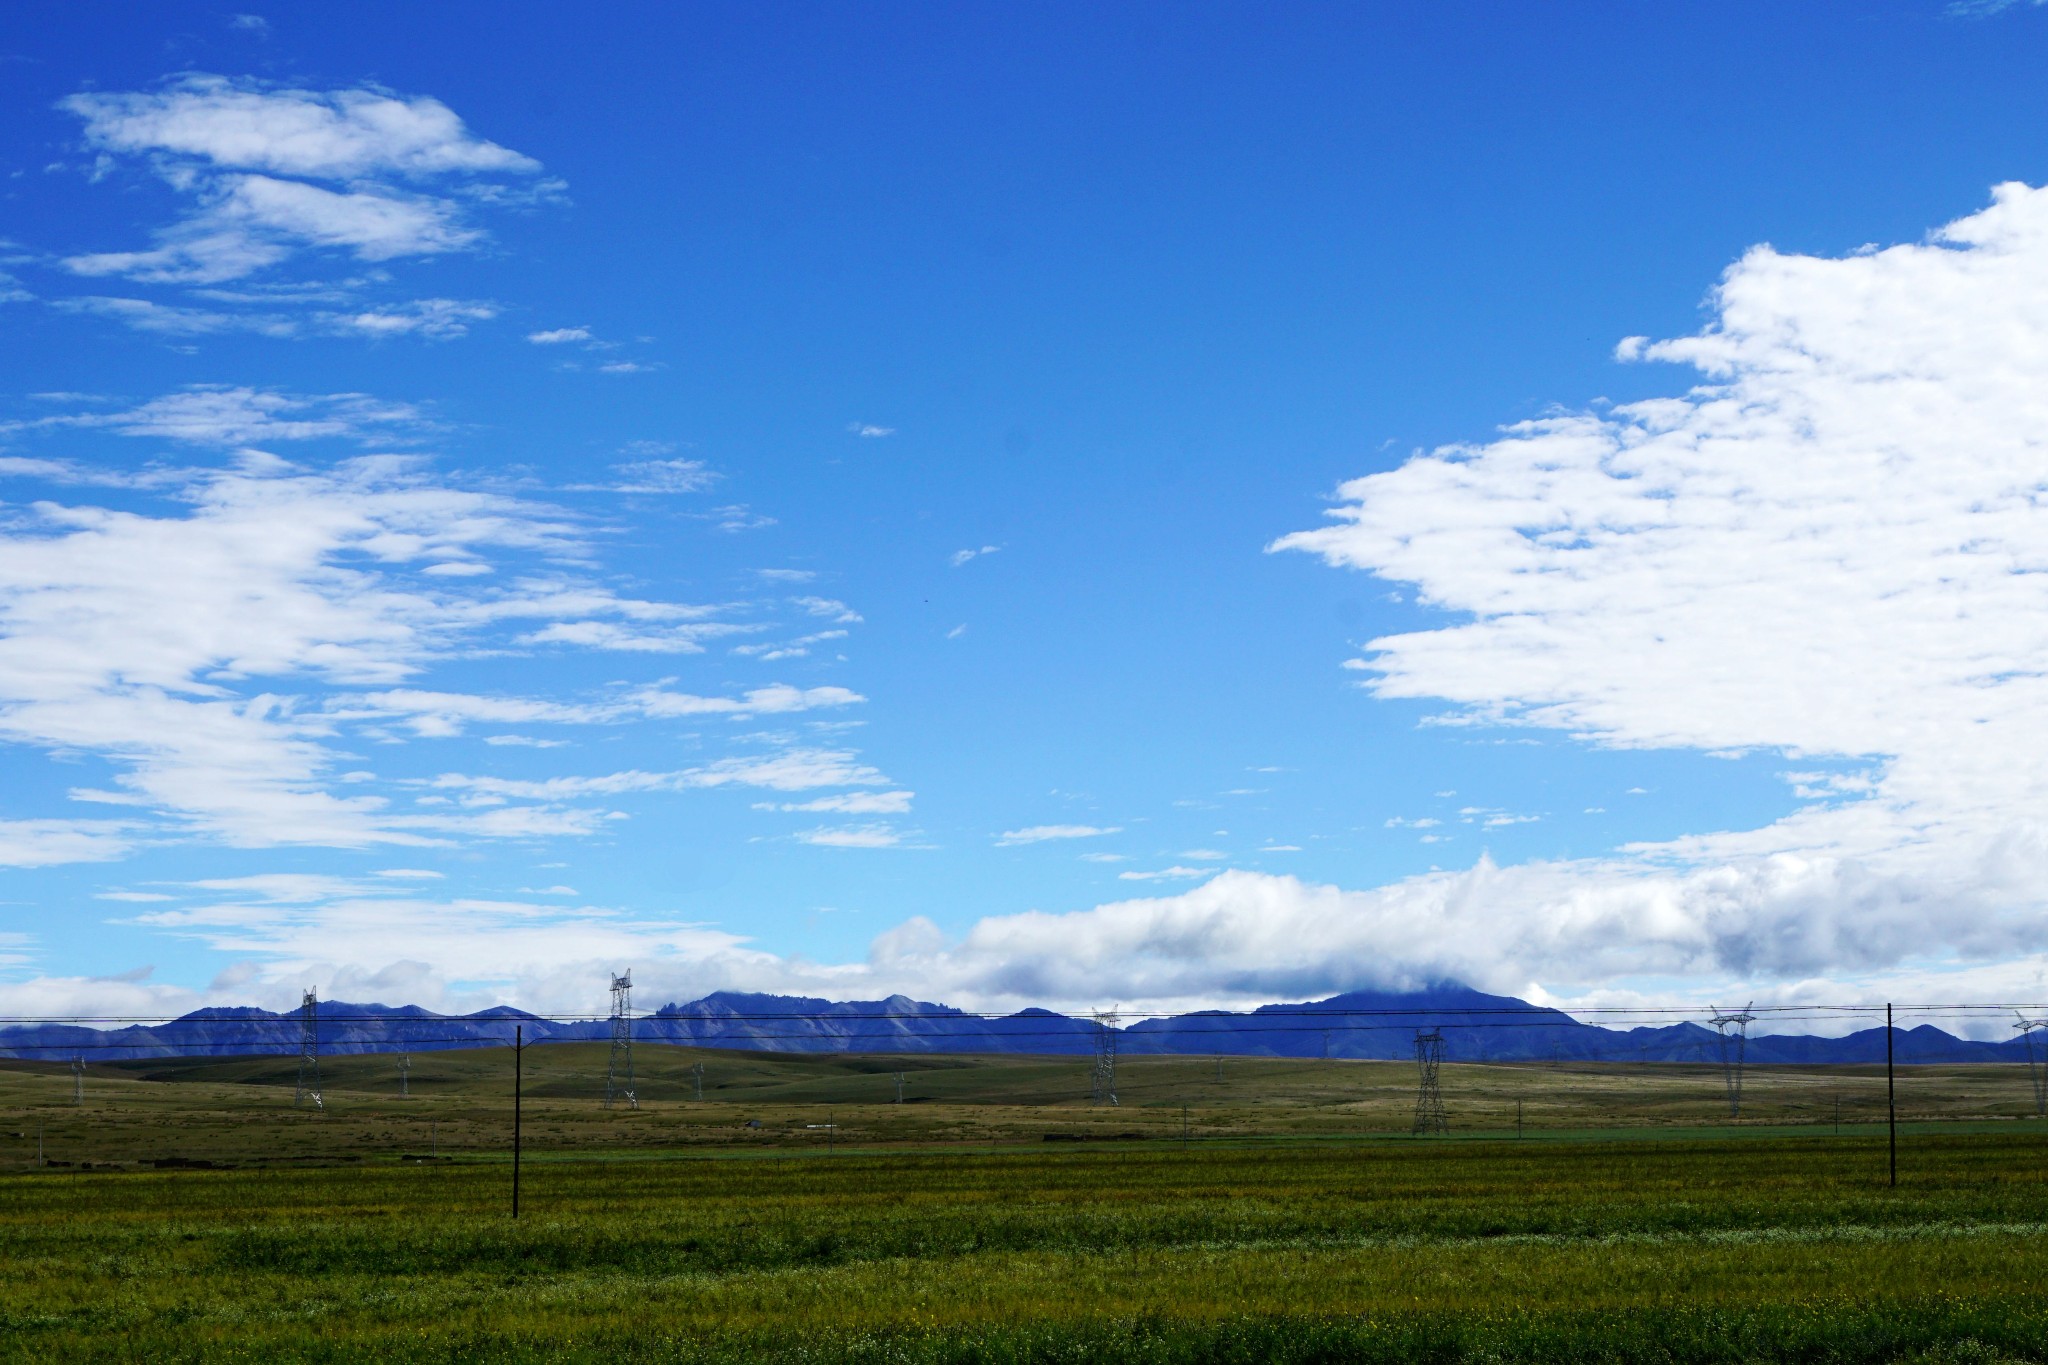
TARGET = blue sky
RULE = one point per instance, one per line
(496, 494)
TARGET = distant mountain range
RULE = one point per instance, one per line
(1368, 1024)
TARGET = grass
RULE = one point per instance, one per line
(239, 1110)
(1297, 1223)
(1677, 1250)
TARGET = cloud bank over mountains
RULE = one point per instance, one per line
(1833, 548)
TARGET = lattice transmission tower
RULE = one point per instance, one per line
(2037, 1072)
(618, 1076)
(1731, 1056)
(697, 1079)
(405, 1075)
(1102, 1083)
(1429, 1097)
(78, 1080)
(899, 1087)
(309, 1054)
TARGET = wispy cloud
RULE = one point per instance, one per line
(1175, 873)
(1038, 834)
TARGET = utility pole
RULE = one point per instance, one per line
(2035, 1071)
(1891, 1095)
(309, 1053)
(1731, 1070)
(1219, 1068)
(405, 1075)
(78, 1080)
(518, 1089)
(1429, 1099)
(1103, 1080)
(697, 1079)
(618, 1076)
(899, 1087)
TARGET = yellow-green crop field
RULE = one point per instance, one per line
(1305, 1228)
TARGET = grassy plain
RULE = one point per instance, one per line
(953, 1230)
(240, 1110)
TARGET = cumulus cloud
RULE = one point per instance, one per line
(558, 336)
(960, 557)
(1830, 548)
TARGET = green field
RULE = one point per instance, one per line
(239, 1111)
(1295, 1223)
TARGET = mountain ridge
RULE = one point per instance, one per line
(1353, 1024)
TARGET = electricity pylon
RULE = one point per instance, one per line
(1731, 1064)
(618, 1076)
(78, 1080)
(899, 1087)
(2036, 1071)
(309, 1054)
(1102, 1087)
(405, 1075)
(697, 1079)
(1429, 1099)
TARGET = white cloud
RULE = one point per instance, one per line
(833, 610)
(1037, 834)
(852, 836)
(1425, 822)
(788, 770)
(246, 154)
(663, 476)
(559, 336)
(210, 652)
(1831, 549)
(963, 556)
(868, 429)
(798, 648)
(336, 135)
(232, 415)
(778, 699)
(44, 843)
(1175, 873)
(853, 803)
